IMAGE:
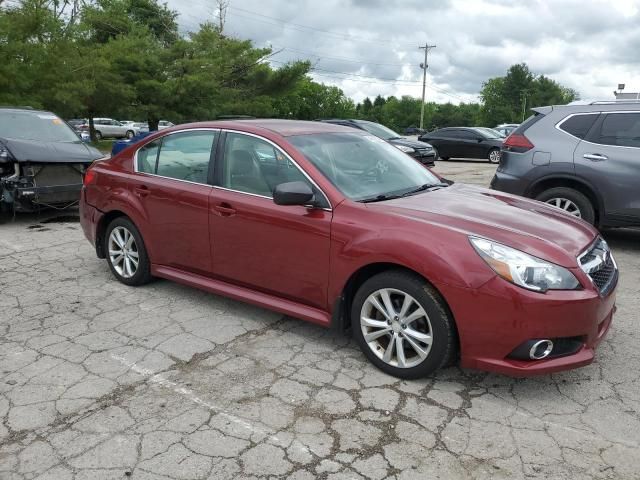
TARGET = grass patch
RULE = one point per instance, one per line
(103, 145)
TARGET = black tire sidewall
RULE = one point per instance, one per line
(98, 135)
(130, 134)
(443, 331)
(582, 202)
(142, 274)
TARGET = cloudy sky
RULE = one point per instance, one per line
(370, 47)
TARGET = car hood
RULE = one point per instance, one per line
(407, 142)
(527, 225)
(50, 152)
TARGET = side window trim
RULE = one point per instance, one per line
(219, 173)
(161, 138)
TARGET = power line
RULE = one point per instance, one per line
(296, 26)
(344, 59)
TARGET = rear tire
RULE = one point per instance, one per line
(130, 134)
(571, 201)
(494, 155)
(423, 323)
(126, 253)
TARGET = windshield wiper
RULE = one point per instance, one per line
(425, 187)
(379, 198)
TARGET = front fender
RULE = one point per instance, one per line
(442, 256)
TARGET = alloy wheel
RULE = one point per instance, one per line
(123, 252)
(396, 328)
(566, 205)
(494, 156)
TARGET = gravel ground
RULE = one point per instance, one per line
(103, 381)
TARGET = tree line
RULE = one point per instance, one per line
(127, 58)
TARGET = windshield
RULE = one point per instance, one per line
(363, 166)
(40, 126)
(488, 132)
(378, 130)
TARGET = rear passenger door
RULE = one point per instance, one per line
(609, 157)
(172, 185)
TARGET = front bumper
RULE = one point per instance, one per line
(498, 317)
(89, 219)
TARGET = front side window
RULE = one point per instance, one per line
(579, 125)
(620, 129)
(253, 165)
(183, 156)
(363, 167)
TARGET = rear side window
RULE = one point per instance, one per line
(147, 157)
(579, 125)
(620, 129)
(185, 156)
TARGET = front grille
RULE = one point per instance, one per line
(598, 263)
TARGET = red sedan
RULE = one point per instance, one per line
(335, 226)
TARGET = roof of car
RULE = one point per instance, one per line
(285, 128)
(25, 109)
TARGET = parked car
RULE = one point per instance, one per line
(162, 124)
(41, 161)
(141, 127)
(78, 124)
(110, 128)
(464, 142)
(414, 131)
(507, 128)
(421, 151)
(336, 226)
(492, 131)
(584, 159)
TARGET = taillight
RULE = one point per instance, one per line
(89, 177)
(517, 142)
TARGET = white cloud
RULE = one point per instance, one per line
(588, 45)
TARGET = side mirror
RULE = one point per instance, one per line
(293, 193)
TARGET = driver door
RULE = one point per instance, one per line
(281, 250)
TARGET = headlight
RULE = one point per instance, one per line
(404, 149)
(522, 269)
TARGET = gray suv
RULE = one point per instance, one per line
(583, 158)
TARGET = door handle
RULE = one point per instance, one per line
(595, 157)
(141, 190)
(225, 210)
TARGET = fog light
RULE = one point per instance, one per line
(540, 349)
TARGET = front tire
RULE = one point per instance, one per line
(130, 134)
(402, 325)
(98, 135)
(126, 253)
(571, 201)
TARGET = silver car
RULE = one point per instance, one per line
(582, 158)
(110, 128)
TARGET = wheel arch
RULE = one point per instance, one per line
(101, 229)
(577, 183)
(342, 305)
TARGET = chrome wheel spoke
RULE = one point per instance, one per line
(378, 306)
(386, 299)
(406, 303)
(418, 313)
(417, 348)
(402, 359)
(370, 322)
(370, 337)
(419, 336)
(133, 254)
(388, 353)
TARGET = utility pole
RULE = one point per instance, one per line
(424, 67)
(524, 103)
